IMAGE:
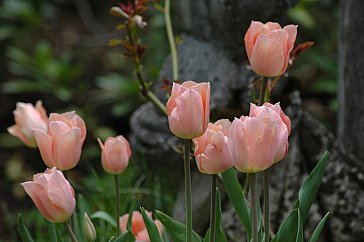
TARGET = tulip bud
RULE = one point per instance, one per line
(61, 145)
(89, 228)
(52, 195)
(268, 47)
(115, 154)
(212, 148)
(27, 117)
(188, 109)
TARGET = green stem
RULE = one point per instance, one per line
(70, 232)
(262, 90)
(266, 204)
(246, 184)
(172, 44)
(213, 208)
(117, 203)
(188, 199)
(254, 207)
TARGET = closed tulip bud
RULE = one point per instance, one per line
(27, 117)
(61, 145)
(212, 148)
(115, 154)
(188, 109)
(52, 195)
(89, 228)
(138, 226)
(268, 47)
(257, 142)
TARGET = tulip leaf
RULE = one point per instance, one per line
(299, 237)
(318, 229)
(220, 235)
(237, 198)
(151, 227)
(126, 236)
(309, 188)
(111, 239)
(176, 229)
(23, 231)
(52, 231)
(104, 216)
(289, 228)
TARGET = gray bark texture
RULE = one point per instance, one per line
(351, 76)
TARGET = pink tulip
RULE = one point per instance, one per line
(138, 227)
(61, 145)
(188, 109)
(268, 47)
(258, 141)
(52, 194)
(115, 154)
(27, 117)
(212, 148)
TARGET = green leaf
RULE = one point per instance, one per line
(151, 227)
(23, 231)
(127, 236)
(309, 188)
(220, 235)
(176, 229)
(52, 231)
(104, 216)
(289, 228)
(318, 229)
(299, 237)
(237, 198)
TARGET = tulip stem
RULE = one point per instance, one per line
(117, 202)
(188, 199)
(172, 44)
(254, 207)
(213, 209)
(70, 231)
(262, 90)
(246, 184)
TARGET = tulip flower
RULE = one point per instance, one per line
(27, 117)
(268, 47)
(52, 195)
(138, 226)
(188, 109)
(61, 145)
(258, 141)
(115, 154)
(212, 148)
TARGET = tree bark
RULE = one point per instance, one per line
(351, 76)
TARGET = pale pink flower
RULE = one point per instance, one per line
(268, 47)
(27, 117)
(52, 195)
(61, 145)
(212, 148)
(115, 154)
(188, 109)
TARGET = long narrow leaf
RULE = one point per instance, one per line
(299, 237)
(309, 188)
(52, 231)
(23, 231)
(176, 229)
(237, 198)
(318, 229)
(288, 230)
(126, 236)
(151, 227)
(104, 216)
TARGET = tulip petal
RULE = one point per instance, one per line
(251, 35)
(273, 26)
(292, 34)
(68, 149)
(44, 142)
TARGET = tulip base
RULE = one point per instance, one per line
(188, 199)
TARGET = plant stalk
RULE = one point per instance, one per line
(213, 209)
(188, 198)
(172, 43)
(254, 207)
(70, 231)
(117, 204)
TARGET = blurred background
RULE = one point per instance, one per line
(58, 51)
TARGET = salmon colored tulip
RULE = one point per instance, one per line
(27, 117)
(212, 148)
(52, 195)
(268, 47)
(115, 154)
(258, 141)
(188, 109)
(61, 145)
(138, 227)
